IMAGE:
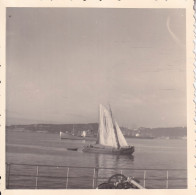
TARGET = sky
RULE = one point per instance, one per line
(63, 62)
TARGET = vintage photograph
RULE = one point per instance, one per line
(96, 98)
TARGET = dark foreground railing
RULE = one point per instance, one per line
(27, 176)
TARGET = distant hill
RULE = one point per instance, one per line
(167, 132)
(92, 128)
(56, 128)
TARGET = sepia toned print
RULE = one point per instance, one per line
(96, 98)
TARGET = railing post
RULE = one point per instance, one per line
(94, 178)
(144, 178)
(167, 181)
(67, 177)
(8, 175)
(36, 179)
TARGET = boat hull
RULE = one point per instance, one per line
(72, 149)
(102, 150)
(69, 136)
(73, 137)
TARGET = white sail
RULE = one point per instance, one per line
(106, 134)
(83, 134)
(60, 134)
(121, 138)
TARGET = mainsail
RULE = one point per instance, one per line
(107, 130)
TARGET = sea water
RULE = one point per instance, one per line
(41, 148)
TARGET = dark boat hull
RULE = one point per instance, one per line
(106, 150)
(73, 149)
(72, 138)
(69, 136)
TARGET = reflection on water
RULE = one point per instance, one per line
(105, 162)
(83, 141)
(108, 161)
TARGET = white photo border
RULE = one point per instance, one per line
(186, 4)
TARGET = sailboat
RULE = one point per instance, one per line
(110, 139)
(71, 135)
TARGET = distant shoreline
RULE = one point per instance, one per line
(91, 129)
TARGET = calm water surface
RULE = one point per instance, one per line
(49, 149)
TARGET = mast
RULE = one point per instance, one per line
(115, 131)
(73, 130)
(98, 133)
